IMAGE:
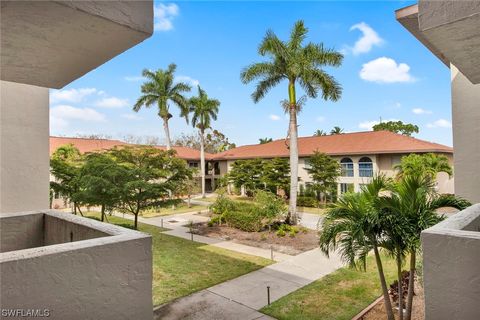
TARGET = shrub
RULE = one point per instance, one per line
(292, 231)
(271, 207)
(245, 217)
(305, 201)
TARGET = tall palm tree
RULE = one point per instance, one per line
(298, 64)
(204, 110)
(354, 227)
(412, 207)
(336, 130)
(319, 133)
(160, 89)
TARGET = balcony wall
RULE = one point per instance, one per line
(77, 268)
(451, 267)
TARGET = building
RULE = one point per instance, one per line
(361, 155)
(451, 31)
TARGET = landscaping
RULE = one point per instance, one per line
(166, 210)
(340, 295)
(181, 267)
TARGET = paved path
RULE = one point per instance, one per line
(242, 297)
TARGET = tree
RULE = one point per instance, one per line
(100, 182)
(354, 226)
(246, 175)
(410, 208)
(407, 129)
(150, 174)
(429, 163)
(298, 64)
(204, 110)
(264, 140)
(160, 89)
(324, 171)
(319, 133)
(65, 165)
(336, 130)
(215, 141)
(276, 174)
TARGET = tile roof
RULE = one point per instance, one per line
(368, 142)
(89, 145)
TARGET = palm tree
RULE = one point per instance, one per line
(265, 140)
(298, 64)
(354, 227)
(412, 205)
(160, 89)
(429, 163)
(319, 133)
(336, 130)
(204, 111)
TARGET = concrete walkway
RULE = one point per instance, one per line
(242, 297)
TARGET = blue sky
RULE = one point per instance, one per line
(386, 72)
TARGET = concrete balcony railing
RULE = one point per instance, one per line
(74, 267)
(451, 266)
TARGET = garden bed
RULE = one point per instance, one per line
(303, 241)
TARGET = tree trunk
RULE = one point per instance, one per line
(135, 224)
(292, 210)
(80, 211)
(75, 208)
(202, 160)
(400, 287)
(103, 212)
(383, 282)
(167, 133)
(411, 284)
(189, 201)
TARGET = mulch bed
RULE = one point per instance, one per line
(303, 241)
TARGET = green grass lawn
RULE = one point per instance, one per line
(181, 267)
(180, 208)
(319, 211)
(340, 295)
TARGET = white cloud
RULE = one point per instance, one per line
(421, 111)
(66, 112)
(386, 70)
(133, 78)
(187, 79)
(112, 102)
(368, 125)
(274, 117)
(131, 116)
(163, 16)
(320, 119)
(440, 123)
(368, 39)
(70, 95)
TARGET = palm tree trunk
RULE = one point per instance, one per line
(411, 284)
(202, 161)
(400, 287)
(167, 133)
(293, 155)
(383, 282)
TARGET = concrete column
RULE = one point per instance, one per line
(24, 147)
(466, 135)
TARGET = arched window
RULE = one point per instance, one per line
(365, 167)
(346, 165)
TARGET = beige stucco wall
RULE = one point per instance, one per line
(451, 264)
(466, 135)
(24, 159)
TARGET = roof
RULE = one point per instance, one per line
(89, 145)
(369, 142)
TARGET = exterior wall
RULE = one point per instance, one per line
(24, 160)
(451, 267)
(21, 231)
(466, 135)
(103, 278)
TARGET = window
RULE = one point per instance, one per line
(365, 167)
(193, 164)
(346, 187)
(346, 165)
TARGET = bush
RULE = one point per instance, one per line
(305, 201)
(245, 217)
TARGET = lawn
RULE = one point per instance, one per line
(180, 208)
(181, 267)
(340, 295)
(319, 211)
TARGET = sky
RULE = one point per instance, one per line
(386, 73)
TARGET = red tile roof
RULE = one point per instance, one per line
(89, 145)
(369, 142)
